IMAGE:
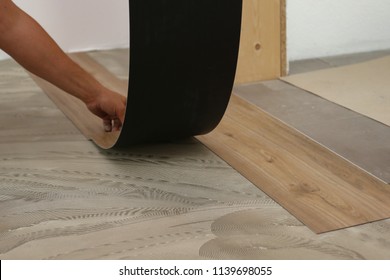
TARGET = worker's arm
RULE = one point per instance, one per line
(28, 43)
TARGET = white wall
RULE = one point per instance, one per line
(315, 28)
(82, 24)
(318, 28)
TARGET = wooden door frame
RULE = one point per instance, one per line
(263, 41)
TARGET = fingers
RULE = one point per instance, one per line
(112, 125)
(122, 110)
(111, 108)
(107, 124)
(117, 124)
(119, 118)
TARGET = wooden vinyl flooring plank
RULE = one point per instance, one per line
(89, 124)
(321, 189)
(181, 72)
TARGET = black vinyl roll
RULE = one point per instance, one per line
(183, 57)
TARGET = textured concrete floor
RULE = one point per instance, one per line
(63, 198)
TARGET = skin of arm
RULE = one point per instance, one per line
(29, 44)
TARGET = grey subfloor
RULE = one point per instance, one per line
(61, 197)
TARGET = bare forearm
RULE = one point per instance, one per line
(29, 44)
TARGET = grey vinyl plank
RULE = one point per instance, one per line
(359, 141)
(291, 104)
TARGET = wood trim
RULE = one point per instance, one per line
(263, 45)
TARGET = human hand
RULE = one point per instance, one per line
(110, 107)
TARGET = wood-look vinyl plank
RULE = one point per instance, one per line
(320, 188)
(90, 125)
(117, 61)
(101, 73)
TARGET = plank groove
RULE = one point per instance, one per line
(321, 189)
